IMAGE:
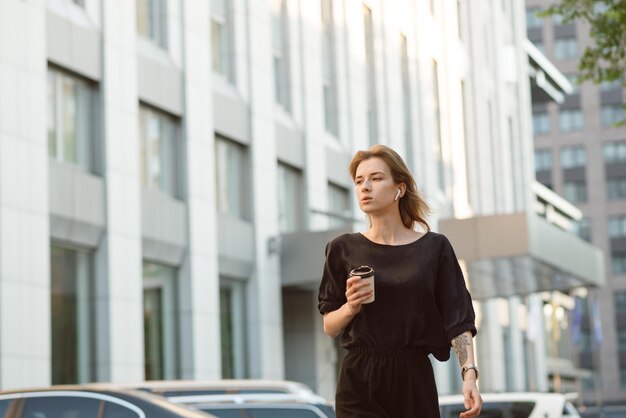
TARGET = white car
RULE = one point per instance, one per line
(514, 405)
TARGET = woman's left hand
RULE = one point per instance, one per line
(471, 398)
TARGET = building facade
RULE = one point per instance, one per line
(170, 171)
(578, 154)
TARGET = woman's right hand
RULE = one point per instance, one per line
(357, 291)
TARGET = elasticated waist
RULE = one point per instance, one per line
(388, 352)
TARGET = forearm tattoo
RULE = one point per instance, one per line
(460, 345)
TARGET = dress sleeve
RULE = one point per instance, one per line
(332, 289)
(453, 298)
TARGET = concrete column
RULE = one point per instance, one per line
(491, 353)
(265, 310)
(119, 259)
(199, 278)
(516, 367)
(24, 223)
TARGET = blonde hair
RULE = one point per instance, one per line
(413, 208)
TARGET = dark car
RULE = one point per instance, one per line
(85, 402)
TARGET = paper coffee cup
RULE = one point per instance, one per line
(365, 273)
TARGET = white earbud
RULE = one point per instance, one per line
(398, 194)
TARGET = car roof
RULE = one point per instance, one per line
(212, 384)
(250, 398)
(144, 398)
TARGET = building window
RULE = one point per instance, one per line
(329, 68)
(541, 123)
(614, 152)
(372, 101)
(571, 120)
(582, 228)
(573, 157)
(532, 20)
(565, 48)
(233, 328)
(612, 114)
(72, 316)
(151, 20)
(160, 319)
(231, 164)
(439, 140)
(612, 85)
(70, 119)
(573, 80)
(543, 159)
(290, 215)
(616, 188)
(338, 205)
(158, 151)
(280, 33)
(575, 191)
(617, 226)
(618, 262)
(221, 38)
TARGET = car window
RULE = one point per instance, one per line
(113, 410)
(60, 407)
(261, 412)
(493, 410)
(4, 407)
(194, 392)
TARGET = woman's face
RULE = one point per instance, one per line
(374, 185)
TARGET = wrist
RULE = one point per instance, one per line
(469, 371)
(350, 311)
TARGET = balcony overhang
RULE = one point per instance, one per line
(520, 254)
(546, 81)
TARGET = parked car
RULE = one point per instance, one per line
(176, 388)
(261, 405)
(85, 402)
(514, 405)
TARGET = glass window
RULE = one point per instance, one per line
(620, 304)
(370, 66)
(329, 68)
(233, 328)
(151, 20)
(221, 38)
(616, 187)
(339, 205)
(70, 119)
(618, 262)
(582, 228)
(614, 152)
(541, 123)
(612, 114)
(543, 159)
(60, 406)
(532, 20)
(565, 48)
(232, 177)
(4, 407)
(159, 314)
(571, 120)
(573, 156)
(158, 151)
(260, 412)
(617, 226)
(280, 32)
(290, 209)
(113, 410)
(616, 84)
(572, 78)
(72, 316)
(575, 191)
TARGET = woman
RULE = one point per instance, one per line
(421, 304)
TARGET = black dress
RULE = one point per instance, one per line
(421, 304)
